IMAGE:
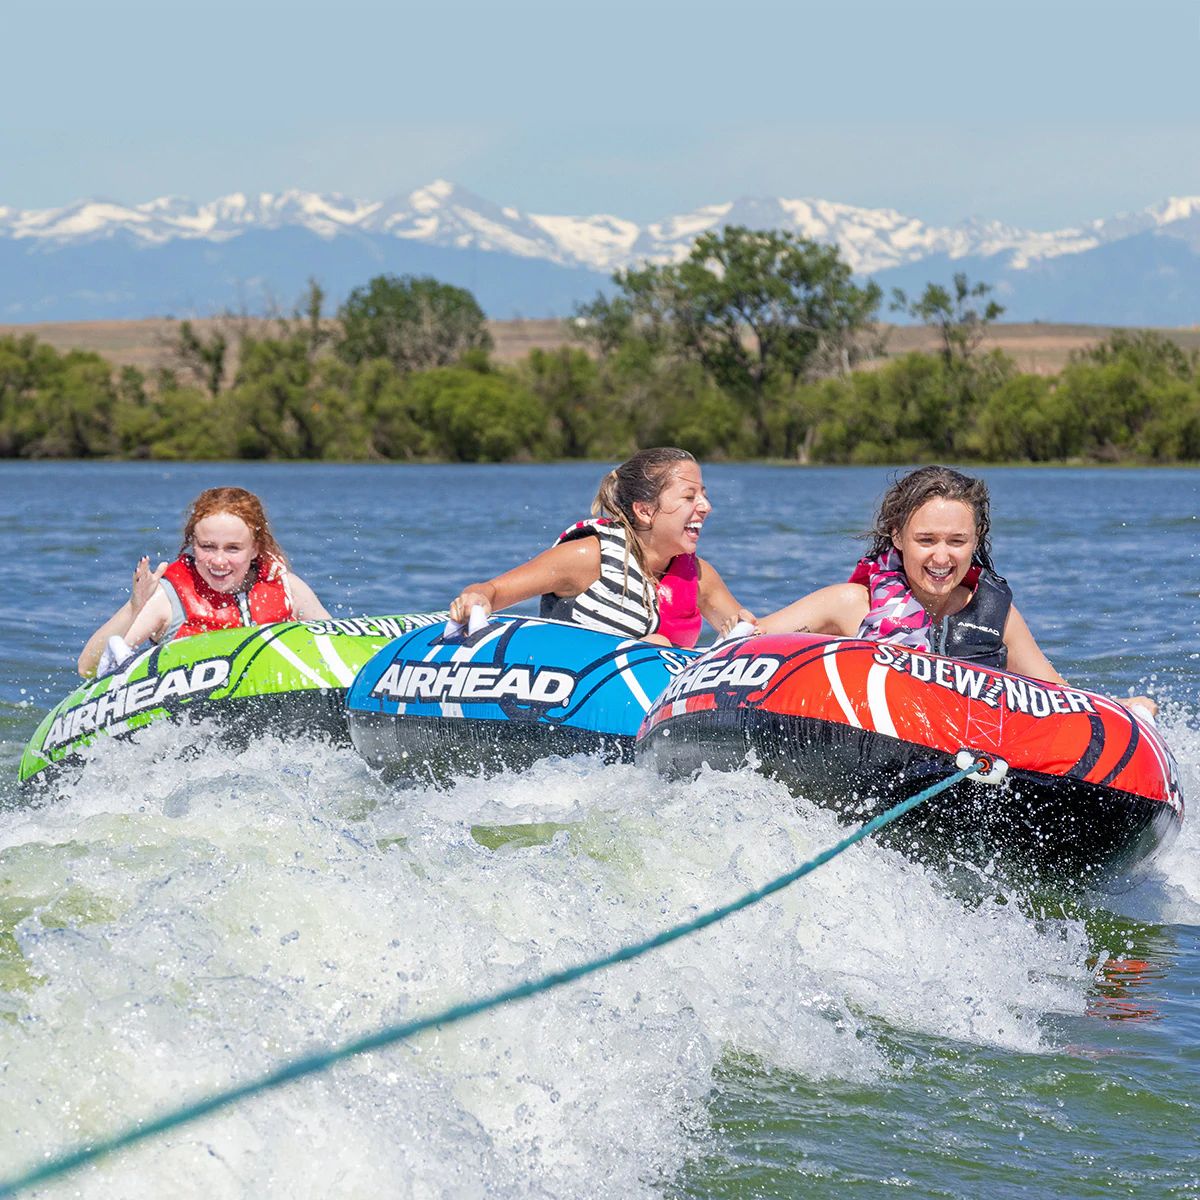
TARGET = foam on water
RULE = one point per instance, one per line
(1170, 893)
(180, 925)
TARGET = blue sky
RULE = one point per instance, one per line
(1039, 114)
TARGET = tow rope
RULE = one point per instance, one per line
(322, 1060)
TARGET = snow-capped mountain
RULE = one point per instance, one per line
(239, 241)
(441, 214)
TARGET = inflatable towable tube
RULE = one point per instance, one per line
(290, 676)
(518, 689)
(1087, 787)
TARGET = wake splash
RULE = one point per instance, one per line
(1170, 893)
(172, 926)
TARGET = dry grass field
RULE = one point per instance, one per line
(1043, 349)
(148, 344)
(1036, 348)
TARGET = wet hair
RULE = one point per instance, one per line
(238, 503)
(908, 493)
(640, 478)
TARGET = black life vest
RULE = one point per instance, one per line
(976, 632)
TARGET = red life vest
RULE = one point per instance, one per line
(204, 608)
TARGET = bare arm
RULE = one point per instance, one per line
(151, 622)
(1025, 656)
(565, 570)
(717, 605)
(118, 624)
(144, 587)
(305, 605)
(838, 609)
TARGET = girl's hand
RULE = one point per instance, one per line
(145, 583)
(461, 605)
(742, 615)
(1138, 702)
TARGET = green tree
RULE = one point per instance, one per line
(798, 413)
(698, 415)
(478, 416)
(414, 323)
(1151, 354)
(397, 427)
(899, 413)
(638, 385)
(567, 382)
(613, 323)
(1121, 387)
(961, 317)
(76, 406)
(307, 324)
(755, 308)
(286, 404)
(25, 363)
(1029, 419)
(1172, 433)
(957, 315)
(54, 405)
(172, 422)
(203, 355)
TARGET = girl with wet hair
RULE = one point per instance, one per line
(632, 569)
(230, 572)
(240, 503)
(928, 582)
(909, 493)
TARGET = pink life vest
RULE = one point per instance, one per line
(679, 617)
(678, 592)
(895, 614)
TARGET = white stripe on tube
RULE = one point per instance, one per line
(877, 700)
(839, 688)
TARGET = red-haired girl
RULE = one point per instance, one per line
(230, 572)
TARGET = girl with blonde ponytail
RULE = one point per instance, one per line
(633, 568)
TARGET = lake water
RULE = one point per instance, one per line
(183, 917)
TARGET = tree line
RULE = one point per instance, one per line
(751, 347)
